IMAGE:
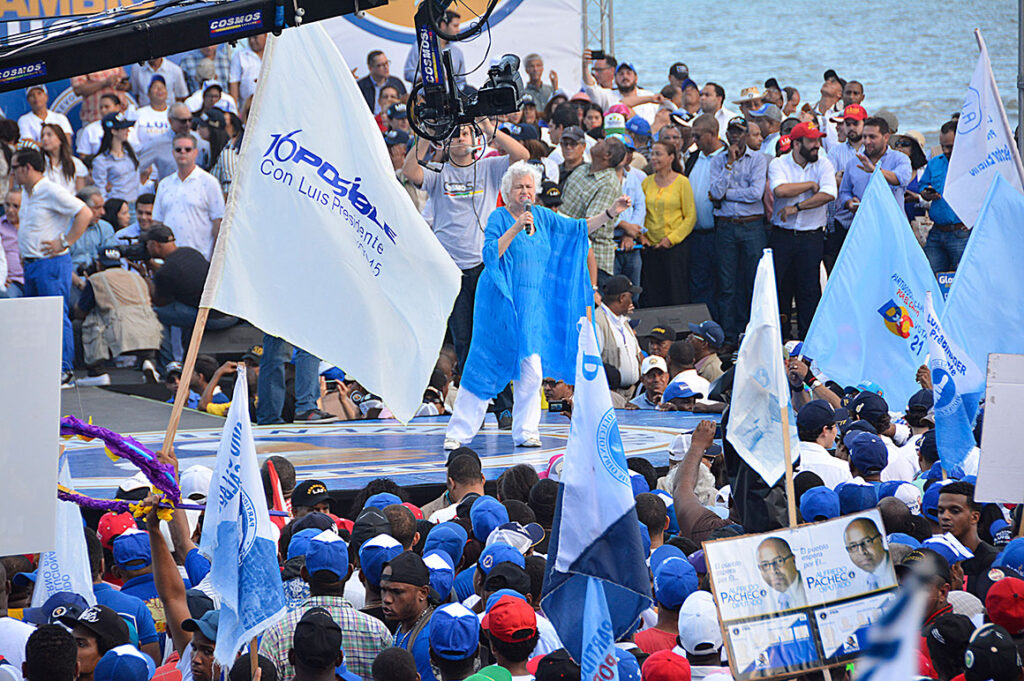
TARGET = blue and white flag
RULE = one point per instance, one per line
(870, 322)
(238, 537)
(595, 533)
(957, 384)
(893, 640)
(320, 244)
(66, 568)
(984, 147)
(983, 310)
(760, 389)
(599, 661)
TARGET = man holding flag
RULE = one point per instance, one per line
(595, 555)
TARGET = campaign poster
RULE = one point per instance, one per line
(796, 599)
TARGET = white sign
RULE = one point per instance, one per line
(1001, 468)
(30, 345)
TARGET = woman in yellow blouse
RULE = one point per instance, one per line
(671, 215)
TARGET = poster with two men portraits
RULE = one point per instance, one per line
(799, 599)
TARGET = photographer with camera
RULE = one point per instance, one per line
(176, 276)
(119, 318)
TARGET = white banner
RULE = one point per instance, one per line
(551, 28)
(1000, 467)
(320, 244)
(984, 145)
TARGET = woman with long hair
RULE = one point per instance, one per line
(212, 129)
(117, 213)
(8, 141)
(671, 215)
(558, 98)
(227, 162)
(61, 165)
(115, 167)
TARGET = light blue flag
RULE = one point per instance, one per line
(983, 312)
(957, 384)
(237, 536)
(595, 533)
(599, 661)
(869, 323)
(760, 388)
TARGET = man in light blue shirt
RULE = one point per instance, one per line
(738, 179)
(631, 222)
(948, 236)
(894, 165)
(702, 240)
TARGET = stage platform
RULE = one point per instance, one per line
(345, 455)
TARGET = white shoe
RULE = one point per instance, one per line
(102, 379)
(149, 372)
(450, 444)
(530, 442)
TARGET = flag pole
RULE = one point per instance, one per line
(254, 659)
(1014, 151)
(181, 397)
(790, 490)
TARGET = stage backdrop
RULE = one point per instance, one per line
(551, 28)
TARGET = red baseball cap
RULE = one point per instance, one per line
(665, 665)
(511, 620)
(855, 111)
(112, 526)
(809, 130)
(416, 512)
(1005, 604)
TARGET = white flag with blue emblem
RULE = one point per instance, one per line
(320, 244)
(957, 384)
(66, 568)
(238, 536)
(760, 387)
(595, 533)
(893, 640)
(984, 145)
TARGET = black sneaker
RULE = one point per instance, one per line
(314, 416)
(505, 420)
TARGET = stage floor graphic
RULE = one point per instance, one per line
(349, 454)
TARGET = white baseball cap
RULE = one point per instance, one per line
(195, 480)
(653, 362)
(699, 632)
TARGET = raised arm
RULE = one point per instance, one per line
(411, 167)
(169, 585)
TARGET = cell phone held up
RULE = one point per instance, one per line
(597, 54)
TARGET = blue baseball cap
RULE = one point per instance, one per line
(867, 452)
(637, 125)
(448, 537)
(639, 483)
(124, 663)
(903, 538)
(947, 549)
(131, 550)
(382, 500)
(628, 665)
(868, 405)
(710, 331)
(206, 625)
(23, 579)
(442, 571)
(819, 503)
(1012, 556)
(374, 553)
(930, 500)
(698, 562)
(60, 604)
(625, 139)
(678, 389)
(625, 65)
(327, 551)
(454, 632)
(673, 521)
(495, 554)
(299, 543)
(663, 553)
(485, 514)
(854, 497)
(817, 414)
(674, 580)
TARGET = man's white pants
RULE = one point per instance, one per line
(469, 410)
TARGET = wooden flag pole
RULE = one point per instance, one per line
(254, 660)
(181, 397)
(790, 491)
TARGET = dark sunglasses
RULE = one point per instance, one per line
(184, 150)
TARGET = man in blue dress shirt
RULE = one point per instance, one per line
(894, 165)
(948, 236)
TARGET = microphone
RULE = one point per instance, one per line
(528, 207)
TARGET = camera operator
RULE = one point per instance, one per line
(176, 277)
(119, 318)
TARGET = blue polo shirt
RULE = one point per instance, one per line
(144, 587)
(130, 608)
(935, 175)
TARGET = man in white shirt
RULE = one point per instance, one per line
(803, 184)
(46, 210)
(245, 69)
(616, 337)
(190, 202)
(599, 79)
(30, 125)
(712, 101)
(643, 102)
(174, 77)
(681, 359)
(654, 374)
(816, 428)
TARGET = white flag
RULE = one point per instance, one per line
(66, 568)
(984, 145)
(320, 244)
(760, 388)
